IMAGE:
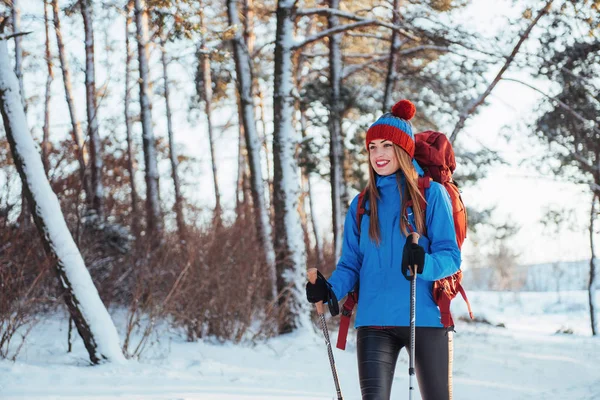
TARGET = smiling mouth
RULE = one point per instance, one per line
(382, 163)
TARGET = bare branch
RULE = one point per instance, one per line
(13, 35)
(562, 105)
(348, 71)
(473, 106)
(423, 47)
(361, 21)
(328, 32)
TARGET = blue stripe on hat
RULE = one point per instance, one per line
(391, 120)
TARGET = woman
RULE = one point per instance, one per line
(375, 254)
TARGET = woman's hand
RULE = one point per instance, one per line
(318, 291)
(412, 255)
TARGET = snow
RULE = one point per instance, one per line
(525, 360)
(48, 208)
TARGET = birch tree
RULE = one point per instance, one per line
(336, 146)
(16, 23)
(290, 251)
(128, 125)
(76, 132)
(48, 93)
(97, 189)
(153, 212)
(178, 206)
(207, 95)
(91, 318)
(24, 217)
(392, 74)
(244, 83)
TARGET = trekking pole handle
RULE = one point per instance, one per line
(312, 278)
(415, 239)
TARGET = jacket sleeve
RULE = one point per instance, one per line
(443, 258)
(347, 271)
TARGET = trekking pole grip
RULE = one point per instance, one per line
(413, 268)
(312, 278)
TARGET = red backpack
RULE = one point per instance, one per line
(434, 153)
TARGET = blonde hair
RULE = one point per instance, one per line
(411, 177)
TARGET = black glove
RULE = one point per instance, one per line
(413, 254)
(319, 291)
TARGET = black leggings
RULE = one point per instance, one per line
(378, 350)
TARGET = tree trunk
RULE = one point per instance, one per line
(128, 127)
(289, 244)
(244, 84)
(336, 145)
(592, 281)
(76, 131)
(97, 188)
(207, 94)
(16, 22)
(172, 154)
(311, 206)
(265, 145)
(392, 72)
(91, 318)
(154, 221)
(249, 36)
(47, 97)
(239, 190)
(25, 215)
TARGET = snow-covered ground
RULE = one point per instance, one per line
(525, 360)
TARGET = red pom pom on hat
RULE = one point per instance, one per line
(404, 109)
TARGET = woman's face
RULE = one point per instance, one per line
(383, 157)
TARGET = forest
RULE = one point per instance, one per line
(163, 157)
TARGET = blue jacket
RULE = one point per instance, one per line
(384, 294)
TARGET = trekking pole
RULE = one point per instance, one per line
(413, 301)
(312, 278)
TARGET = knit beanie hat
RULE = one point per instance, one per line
(395, 127)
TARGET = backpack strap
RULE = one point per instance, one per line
(464, 296)
(361, 209)
(424, 182)
(443, 303)
(347, 309)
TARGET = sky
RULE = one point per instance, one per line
(519, 193)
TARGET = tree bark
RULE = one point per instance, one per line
(128, 127)
(154, 223)
(16, 22)
(91, 318)
(289, 244)
(265, 145)
(239, 190)
(178, 206)
(97, 188)
(244, 84)
(336, 145)
(25, 215)
(311, 206)
(48, 95)
(592, 280)
(76, 132)
(207, 93)
(392, 72)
